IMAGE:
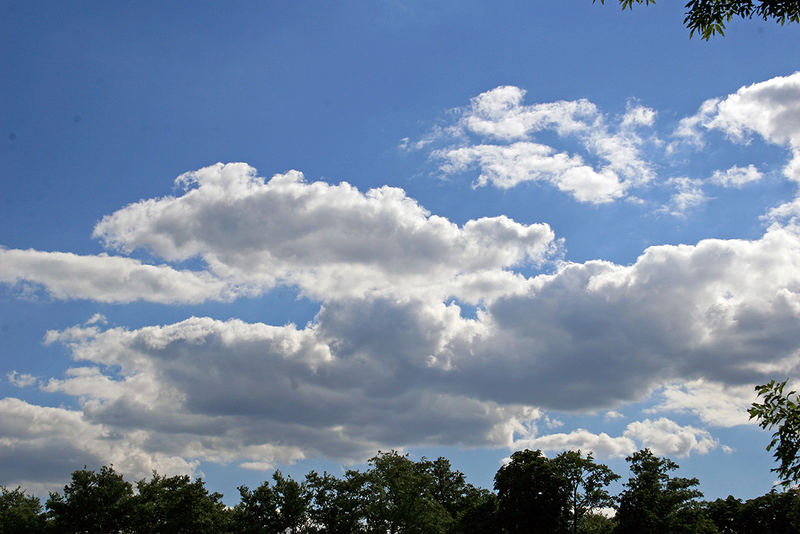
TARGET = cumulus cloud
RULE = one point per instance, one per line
(663, 436)
(714, 403)
(105, 278)
(41, 445)
(787, 213)
(688, 195)
(690, 323)
(597, 334)
(331, 241)
(241, 389)
(505, 166)
(600, 444)
(500, 116)
(21, 380)
(667, 438)
(770, 109)
(736, 176)
(390, 360)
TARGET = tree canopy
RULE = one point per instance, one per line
(780, 410)
(398, 495)
(654, 502)
(709, 17)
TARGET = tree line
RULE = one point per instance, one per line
(395, 494)
(533, 494)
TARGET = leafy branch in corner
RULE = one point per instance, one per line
(782, 411)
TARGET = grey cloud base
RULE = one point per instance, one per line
(378, 372)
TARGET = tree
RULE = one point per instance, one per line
(655, 503)
(775, 513)
(708, 17)
(99, 503)
(257, 511)
(586, 482)
(532, 496)
(176, 505)
(725, 514)
(19, 513)
(336, 505)
(594, 523)
(399, 496)
(478, 514)
(782, 411)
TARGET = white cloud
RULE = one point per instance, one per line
(21, 380)
(597, 334)
(770, 109)
(637, 115)
(688, 195)
(667, 438)
(384, 372)
(232, 391)
(663, 436)
(600, 444)
(787, 213)
(713, 402)
(505, 166)
(377, 371)
(40, 446)
(499, 115)
(331, 241)
(736, 176)
(109, 278)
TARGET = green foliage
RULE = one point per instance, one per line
(400, 497)
(93, 503)
(336, 506)
(478, 514)
(586, 483)
(397, 495)
(592, 523)
(532, 495)
(537, 494)
(176, 505)
(20, 513)
(782, 411)
(655, 503)
(708, 17)
(725, 514)
(775, 513)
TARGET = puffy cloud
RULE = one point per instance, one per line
(594, 335)
(787, 213)
(713, 402)
(770, 109)
(688, 195)
(638, 115)
(381, 372)
(331, 241)
(663, 436)
(109, 278)
(600, 444)
(235, 391)
(667, 438)
(505, 166)
(21, 380)
(736, 176)
(500, 115)
(41, 445)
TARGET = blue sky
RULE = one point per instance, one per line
(253, 235)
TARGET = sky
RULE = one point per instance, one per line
(246, 236)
